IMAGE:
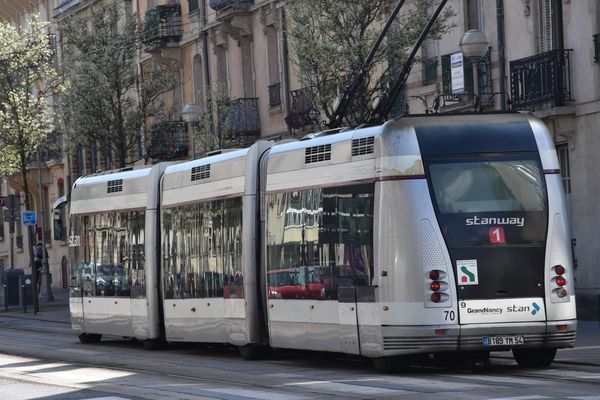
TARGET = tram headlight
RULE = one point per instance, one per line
(560, 281)
(435, 286)
(559, 269)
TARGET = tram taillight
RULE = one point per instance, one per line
(436, 297)
(559, 269)
(435, 286)
(434, 275)
(560, 281)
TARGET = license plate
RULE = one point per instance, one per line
(502, 340)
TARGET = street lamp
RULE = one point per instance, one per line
(473, 46)
(191, 113)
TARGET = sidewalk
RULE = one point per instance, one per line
(55, 311)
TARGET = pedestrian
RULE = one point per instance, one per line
(38, 257)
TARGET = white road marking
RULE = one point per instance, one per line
(333, 386)
(521, 398)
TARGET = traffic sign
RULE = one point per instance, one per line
(11, 201)
(28, 217)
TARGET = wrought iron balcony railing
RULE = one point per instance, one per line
(484, 77)
(239, 119)
(52, 149)
(302, 110)
(597, 48)
(430, 71)
(168, 141)
(227, 8)
(162, 25)
(541, 79)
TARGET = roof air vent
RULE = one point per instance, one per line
(201, 172)
(114, 186)
(363, 146)
(318, 153)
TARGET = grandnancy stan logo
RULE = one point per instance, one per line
(467, 272)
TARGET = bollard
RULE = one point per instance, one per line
(22, 285)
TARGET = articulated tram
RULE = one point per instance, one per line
(432, 234)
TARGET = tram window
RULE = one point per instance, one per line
(107, 251)
(321, 241)
(485, 186)
(202, 250)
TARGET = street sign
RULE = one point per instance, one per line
(11, 201)
(28, 217)
(10, 215)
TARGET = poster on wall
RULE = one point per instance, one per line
(457, 73)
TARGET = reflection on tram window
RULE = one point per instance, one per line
(108, 254)
(202, 250)
(318, 241)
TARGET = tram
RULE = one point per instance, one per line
(441, 235)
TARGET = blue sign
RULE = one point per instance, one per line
(28, 217)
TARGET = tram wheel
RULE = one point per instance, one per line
(390, 364)
(90, 338)
(153, 344)
(534, 358)
(252, 351)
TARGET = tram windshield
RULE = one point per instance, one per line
(487, 186)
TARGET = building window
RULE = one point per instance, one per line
(222, 68)
(473, 15)
(562, 151)
(546, 23)
(247, 73)
(192, 6)
(198, 81)
(273, 64)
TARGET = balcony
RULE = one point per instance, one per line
(597, 48)
(541, 79)
(168, 141)
(52, 149)
(239, 119)
(450, 96)
(229, 8)
(162, 26)
(302, 112)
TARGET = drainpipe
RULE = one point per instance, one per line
(501, 55)
(206, 63)
(286, 65)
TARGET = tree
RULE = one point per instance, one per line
(330, 40)
(109, 101)
(214, 129)
(27, 78)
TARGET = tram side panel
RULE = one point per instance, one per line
(209, 227)
(407, 316)
(560, 304)
(107, 253)
(319, 243)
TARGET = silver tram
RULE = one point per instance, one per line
(425, 235)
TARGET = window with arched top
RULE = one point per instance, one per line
(198, 81)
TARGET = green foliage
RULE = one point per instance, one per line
(330, 40)
(27, 77)
(109, 102)
(215, 128)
